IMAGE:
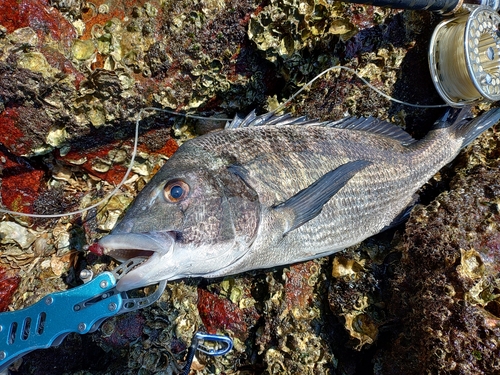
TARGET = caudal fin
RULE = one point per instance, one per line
(461, 125)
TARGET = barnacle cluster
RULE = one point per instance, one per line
(213, 64)
(350, 297)
(448, 285)
(300, 35)
(294, 320)
(283, 29)
(26, 77)
(165, 332)
(115, 52)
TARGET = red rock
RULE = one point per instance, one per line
(167, 148)
(21, 184)
(10, 132)
(298, 292)
(58, 61)
(23, 128)
(38, 15)
(8, 285)
(219, 313)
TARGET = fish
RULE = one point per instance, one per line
(268, 191)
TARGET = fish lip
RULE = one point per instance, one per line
(124, 246)
(153, 246)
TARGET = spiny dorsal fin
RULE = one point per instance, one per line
(266, 119)
(368, 124)
(372, 125)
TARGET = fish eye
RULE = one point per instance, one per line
(175, 191)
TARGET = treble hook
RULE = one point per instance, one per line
(222, 346)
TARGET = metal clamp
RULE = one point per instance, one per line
(220, 345)
(223, 344)
(81, 310)
(51, 319)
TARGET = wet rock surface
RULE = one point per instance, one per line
(421, 298)
(446, 287)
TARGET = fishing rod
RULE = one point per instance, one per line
(464, 51)
(438, 6)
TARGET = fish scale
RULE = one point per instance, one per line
(274, 190)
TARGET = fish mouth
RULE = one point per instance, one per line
(124, 246)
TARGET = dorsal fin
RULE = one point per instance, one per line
(368, 124)
(268, 118)
(372, 125)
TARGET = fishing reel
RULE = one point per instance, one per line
(464, 57)
(464, 53)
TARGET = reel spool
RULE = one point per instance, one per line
(464, 57)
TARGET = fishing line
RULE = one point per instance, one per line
(308, 84)
(187, 115)
(105, 199)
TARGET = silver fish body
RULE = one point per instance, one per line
(270, 191)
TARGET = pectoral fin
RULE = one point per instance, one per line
(308, 203)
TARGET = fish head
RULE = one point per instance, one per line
(190, 220)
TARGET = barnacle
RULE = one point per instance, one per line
(283, 29)
(352, 296)
(25, 37)
(36, 62)
(107, 219)
(449, 277)
(72, 8)
(343, 267)
(11, 232)
(361, 327)
(291, 313)
(83, 49)
(57, 137)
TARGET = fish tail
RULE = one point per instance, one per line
(459, 123)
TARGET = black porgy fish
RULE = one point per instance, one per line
(274, 190)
